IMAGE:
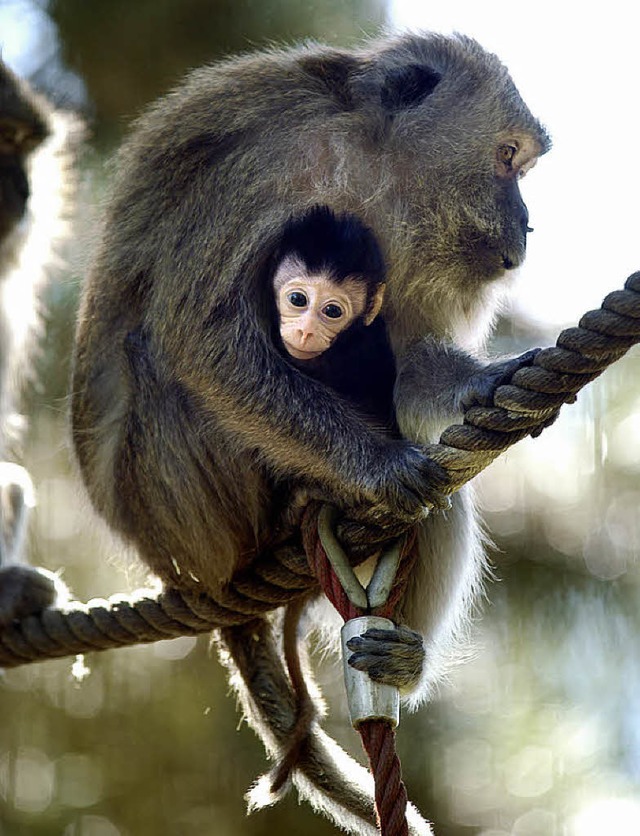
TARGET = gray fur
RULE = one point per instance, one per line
(189, 427)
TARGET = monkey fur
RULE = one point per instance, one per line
(36, 186)
(190, 426)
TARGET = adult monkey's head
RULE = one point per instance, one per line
(23, 127)
(440, 141)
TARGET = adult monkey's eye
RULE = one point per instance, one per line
(298, 299)
(506, 154)
(332, 310)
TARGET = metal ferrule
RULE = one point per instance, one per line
(368, 700)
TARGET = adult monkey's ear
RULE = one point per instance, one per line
(335, 71)
(408, 86)
(376, 305)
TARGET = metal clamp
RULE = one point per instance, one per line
(367, 700)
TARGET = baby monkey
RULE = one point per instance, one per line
(329, 282)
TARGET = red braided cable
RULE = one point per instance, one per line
(378, 736)
(379, 742)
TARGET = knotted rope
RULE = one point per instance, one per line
(378, 736)
(521, 407)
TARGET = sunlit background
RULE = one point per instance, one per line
(538, 733)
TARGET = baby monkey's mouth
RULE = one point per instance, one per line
(301, 353)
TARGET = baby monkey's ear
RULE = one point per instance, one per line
(376, 305)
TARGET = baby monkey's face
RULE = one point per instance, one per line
(314, 309)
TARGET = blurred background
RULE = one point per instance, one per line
(538, 732)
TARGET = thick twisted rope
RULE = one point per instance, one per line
(524, 405)
(145, 616)
(520, 407)
(379, 742)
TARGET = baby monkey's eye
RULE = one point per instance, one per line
(332, 310)
(297, 299)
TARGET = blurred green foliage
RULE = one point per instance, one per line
(128, 53)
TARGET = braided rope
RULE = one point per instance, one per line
(524, 405)
(521, 407)
(379, 742)
(145, 616)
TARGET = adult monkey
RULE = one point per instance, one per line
(188, 425)
(36, 188)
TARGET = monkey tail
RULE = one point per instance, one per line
(305, 709)
(325, 775)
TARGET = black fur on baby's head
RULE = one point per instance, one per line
(340, 244)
